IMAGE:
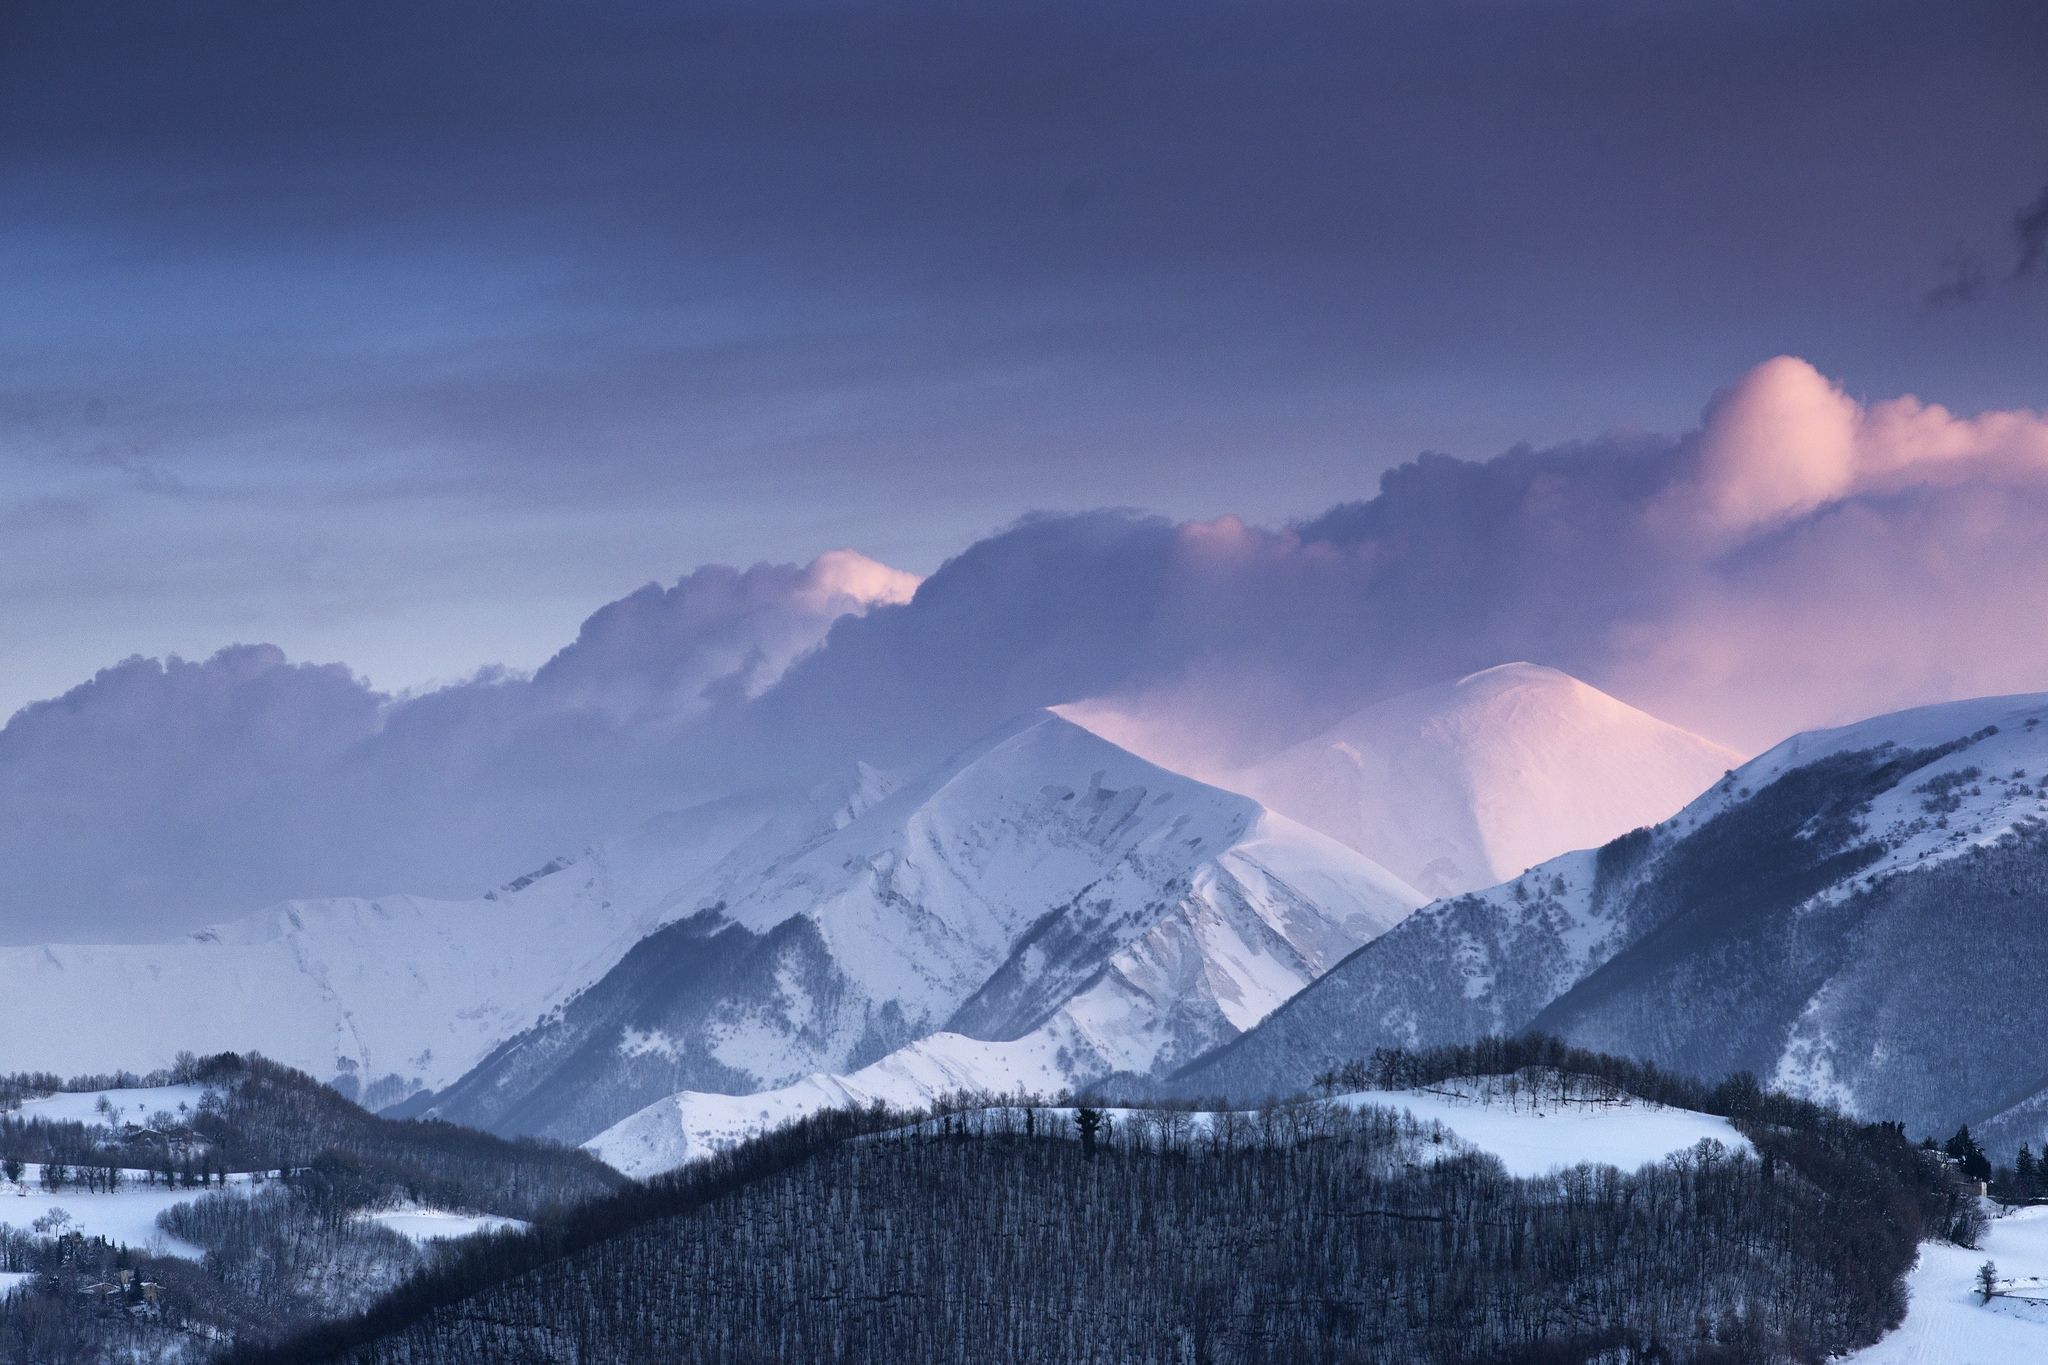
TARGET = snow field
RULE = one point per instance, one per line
(1531, 1136)
(127, 1215)
(130, 1106)
(1534, 1138)
(1948, 1322)
(440, 1225)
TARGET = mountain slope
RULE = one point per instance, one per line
(1042, 880)
(1860, 915)
(1463, 785)
(385, 996)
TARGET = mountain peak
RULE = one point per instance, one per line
(1463, 784)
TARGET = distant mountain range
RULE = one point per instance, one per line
(388, 996)
(1043, 883)
(1860, 915)
(1516, 760)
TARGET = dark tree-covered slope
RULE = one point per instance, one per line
(1311, 1231)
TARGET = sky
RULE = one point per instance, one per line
(433, 436)
(407, 335)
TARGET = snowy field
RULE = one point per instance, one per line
(439, 1225)
(10, 1279)
(1533, 1138)
(126, 1215)
(130, 1106)
(1948, 1322)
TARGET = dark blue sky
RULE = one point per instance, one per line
(406, 335)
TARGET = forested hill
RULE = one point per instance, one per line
(270, 1255)
(1335, 1229)
(260, 1116)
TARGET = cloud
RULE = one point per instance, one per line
(1969, 279)
(2030, 226)
(1966, 282)
(668, 655)
(167, 793)
(1802, 558)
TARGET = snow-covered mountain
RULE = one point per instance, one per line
(1460, 786)
(1860, 914)
(387, 996)
(1044, 887)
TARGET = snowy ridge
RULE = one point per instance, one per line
(1462, 785)
(1818, 916)
(387, 995)
(1230, 948)
(1990, 785)
(690, 1124)
(1043, 886)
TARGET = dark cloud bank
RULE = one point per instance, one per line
(1800, 559)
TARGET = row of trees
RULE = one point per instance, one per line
(1569, 1074)
(186, 1069)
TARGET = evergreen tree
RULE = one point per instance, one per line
(1088, 1121)
(1968, 1155)
(2023, 1171)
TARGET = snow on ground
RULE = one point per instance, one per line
(130, 1106)
(128, 1215)
(1531, 1136)
(438, 1225)
(1536, 1137)
(12, 1279)
(1948, 1322)
(694, 1123)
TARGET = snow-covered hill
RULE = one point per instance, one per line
(1043, 886)
(386, 996)
(1860, 914)
(1530, 1132)
(1463, 785)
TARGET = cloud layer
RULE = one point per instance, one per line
(1802, 558)
(164, 794)
(395, 333)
